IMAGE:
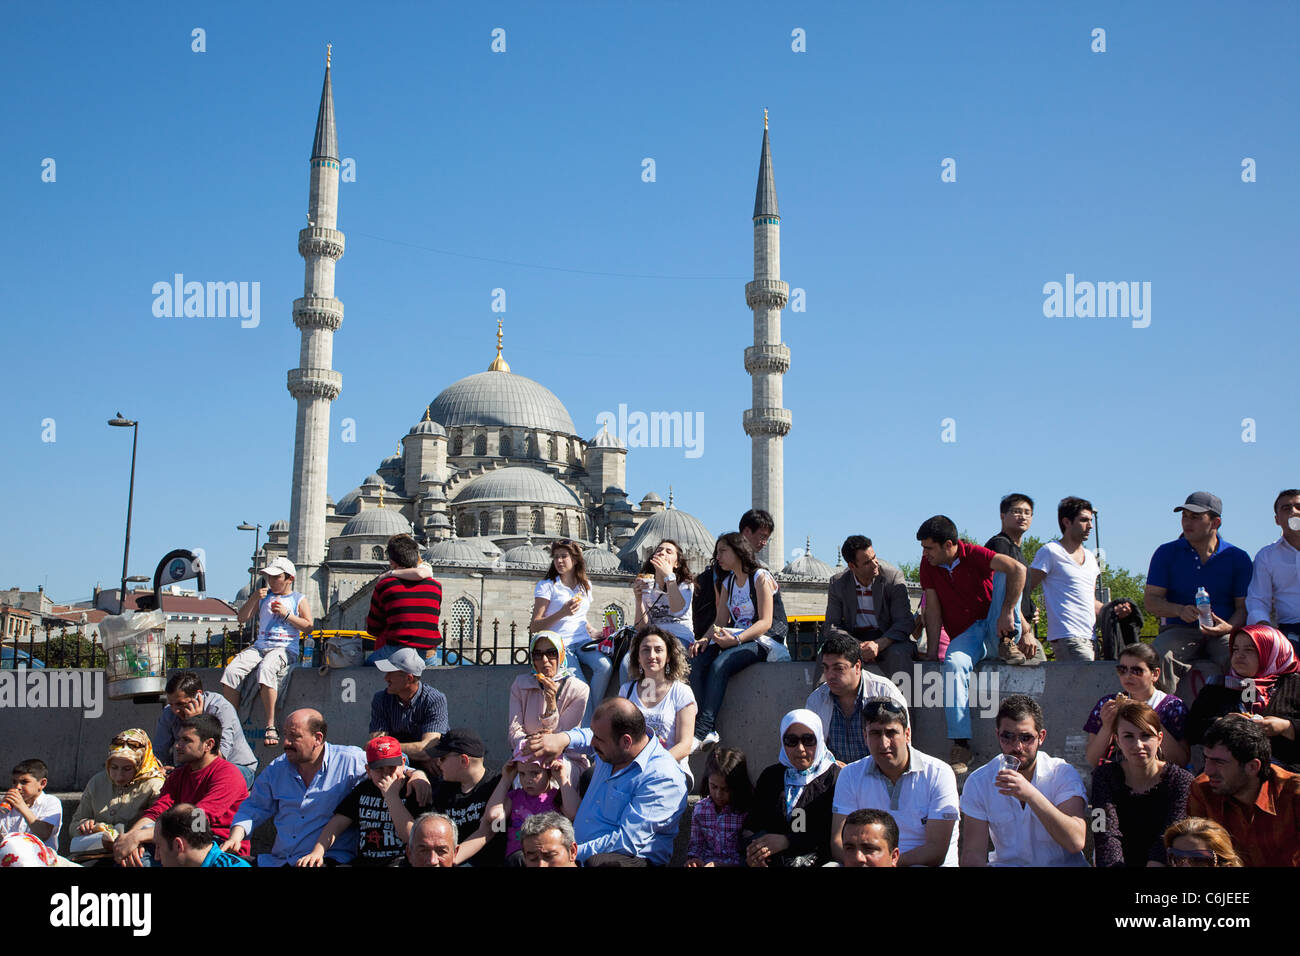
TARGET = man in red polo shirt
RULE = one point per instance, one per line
(1257, 803)
(203, 778)
(405, 604)
(974, 594)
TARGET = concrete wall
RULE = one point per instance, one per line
(75, 746)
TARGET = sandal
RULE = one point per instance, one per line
(270, 738)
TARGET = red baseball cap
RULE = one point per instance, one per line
(384, 752)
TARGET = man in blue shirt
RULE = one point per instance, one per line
(413, 712)
(183, 837)
(1199, 558)
(630, 812)
(299, 791)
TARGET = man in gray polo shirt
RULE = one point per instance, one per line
(186, 698)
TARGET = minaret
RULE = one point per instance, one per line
(314, 384)
(767, 422)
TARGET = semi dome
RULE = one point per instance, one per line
(517, 483)
(377, 521)
(527, 556)
(276, 526)
(456, 552)
(347, 505)
(427, 427)
(500, 398)
(601, 560)
(687, 530)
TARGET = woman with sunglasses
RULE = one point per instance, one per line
(549, 699)
(1197, 841)
(561, 601)
(1141, 796)
(1139, 670)
(789, 821)
(118, 795)
(1263, 682)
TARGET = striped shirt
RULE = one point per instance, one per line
(866, 607)
(425, 714)
(405, 612)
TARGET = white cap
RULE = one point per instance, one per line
(280, 566)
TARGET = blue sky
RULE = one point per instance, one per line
(523, 170)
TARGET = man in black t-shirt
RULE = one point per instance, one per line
(373, 806)
(466, 789)
(1017, 515)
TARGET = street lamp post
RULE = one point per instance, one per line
(257, 543)
(120, 422)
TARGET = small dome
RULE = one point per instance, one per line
(439, 521)
(601, 561)
(604, 439)
(427, 427)
(372, 480)
(517, 483)
(652, 498)
(277, 526)
(527, 556)
(377, 521)
(687, 530)
(329, 500)
(347, 505)
(456, 552)
(242, 595)
(807, 568)
(488, 547)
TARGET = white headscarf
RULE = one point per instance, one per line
(823, 760)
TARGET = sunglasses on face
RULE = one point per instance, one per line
(1136, 671)
(1191, 857)
(1009, 738)
(873, 709)
(552, 654)
(124, 742)
(794, 740)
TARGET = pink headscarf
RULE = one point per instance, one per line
(1276, 657)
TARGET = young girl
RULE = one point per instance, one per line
(535, 794)
(561, 601)
(663, 592)
(718, 818)
(1139, 670)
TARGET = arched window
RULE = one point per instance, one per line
(376, 553)
(537, 523)
(347, 553)
(483, 522)
(532, 446)
(562, 525)
(480, 445)
(457, 443)
(508, 521)
(506, 446)
(575, 530)
(460, 621)
(616, 611)
(550, 449)
(466, 525)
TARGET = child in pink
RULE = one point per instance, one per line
(540, 789)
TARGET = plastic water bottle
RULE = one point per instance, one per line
(1203, 607)
(308, 652)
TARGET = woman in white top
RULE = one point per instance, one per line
(749, 628)
(561, 601)
(659, 689)
(664, 600)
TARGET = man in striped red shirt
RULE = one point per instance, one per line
(406, 602)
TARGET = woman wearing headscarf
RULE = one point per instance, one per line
(789, 820)
(550, 698)
(118, 795)
(1264, 684)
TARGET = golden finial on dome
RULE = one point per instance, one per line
(381, 496)
(499, 364)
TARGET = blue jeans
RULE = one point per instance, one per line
(710, 672)
(967, 649)
(601, 669)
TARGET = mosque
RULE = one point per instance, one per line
(494, 470)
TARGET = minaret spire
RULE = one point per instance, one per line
(315, 384)
(767, 422)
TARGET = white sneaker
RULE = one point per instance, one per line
(707, 743)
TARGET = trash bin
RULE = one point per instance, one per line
(134, 643)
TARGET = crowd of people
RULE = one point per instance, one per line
(1193, 759)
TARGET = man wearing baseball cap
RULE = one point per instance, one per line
(409, 709)
(282, 615)
(1199, 558)
(466, 789)
(370, 808)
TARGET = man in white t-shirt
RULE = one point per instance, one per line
(1068, 573)
(918, 791)
(1034, 814)
(27, 808)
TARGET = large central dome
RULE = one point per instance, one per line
(501, 398)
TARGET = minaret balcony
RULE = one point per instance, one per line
(767, 358)
(319, 241)
(767, 293)
(315, 383)
(317, 312)
(767, 421)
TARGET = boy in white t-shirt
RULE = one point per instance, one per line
(1068, 573)
(27, 808)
